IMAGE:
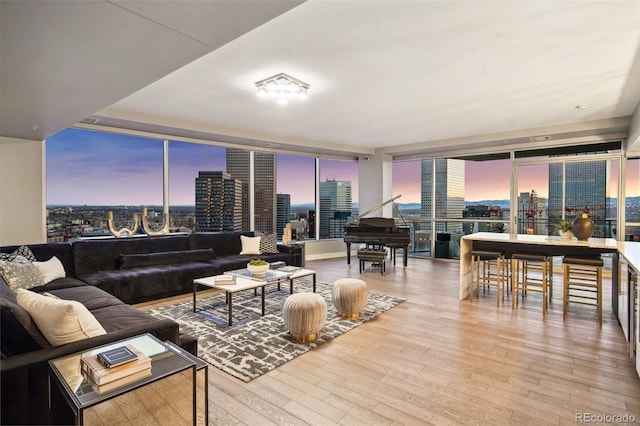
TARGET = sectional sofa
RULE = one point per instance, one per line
(106, 276)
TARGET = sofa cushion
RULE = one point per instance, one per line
(23, 251)
(250, 245)
(91, 297)
(268, 244)
(20, 273)
(50, 270)
(91, 256)
(151, 282)
(18, 331)
(222, 243)
(60, 321)
(129, 261)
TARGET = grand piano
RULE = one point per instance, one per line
(380, 231)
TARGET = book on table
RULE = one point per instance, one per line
(115, 384)
(117, 356)
(225, 279)
(289, 268)
(95, 370)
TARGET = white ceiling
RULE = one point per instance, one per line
(400, 77)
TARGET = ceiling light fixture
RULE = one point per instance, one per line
(282, 87)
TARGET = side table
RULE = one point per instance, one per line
(171, 393)
(296, 249)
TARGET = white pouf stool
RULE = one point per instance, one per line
(349, 296)
(304, 314)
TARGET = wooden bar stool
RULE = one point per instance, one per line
(583, 283)
(488, 269)
(530, 272)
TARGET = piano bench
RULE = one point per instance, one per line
(376, 256)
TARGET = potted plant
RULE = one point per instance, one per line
(258, 267)
(564, 229)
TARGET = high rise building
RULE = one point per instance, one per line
(218, 202)
(264, 185)
(284, 213)
(335, 207)
(584, 190)
(449, 192)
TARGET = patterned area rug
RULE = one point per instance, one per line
(255, 345)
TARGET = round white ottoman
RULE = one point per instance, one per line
(349, 296)
(304, 314)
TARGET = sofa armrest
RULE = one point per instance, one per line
(164, 329)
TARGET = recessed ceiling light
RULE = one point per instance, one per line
(581, 106)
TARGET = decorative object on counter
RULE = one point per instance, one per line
(122, 232)
(145, 224)
(564, 229)
(582, 227)
(286, 236)
(258, 267)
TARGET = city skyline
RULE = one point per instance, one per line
(97, 168)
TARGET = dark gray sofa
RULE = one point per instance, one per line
(142, 269)
(106, 275)
(25, 352)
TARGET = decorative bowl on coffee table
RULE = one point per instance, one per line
(258, 270)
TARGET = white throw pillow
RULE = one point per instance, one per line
(60, 321)
(50, 269)
(20, 273)
(250, 245)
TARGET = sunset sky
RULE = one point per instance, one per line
(94, 168)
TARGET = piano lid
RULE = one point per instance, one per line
(358, 219)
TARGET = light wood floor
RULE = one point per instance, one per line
(437, 360)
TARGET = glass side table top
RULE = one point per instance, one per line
(165, 361)
(269, 276)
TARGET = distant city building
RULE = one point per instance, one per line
(584, 190)
(218, 202)
(283, 213)
(264, 185)
(449, 192)
(482, 211)
(335, 207)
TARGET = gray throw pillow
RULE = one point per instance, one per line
(20, 273)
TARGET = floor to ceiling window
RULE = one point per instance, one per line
(338, 196)
(632, 205)
(189, 166)
(296, 178)
(556, 187)
(91, 173)
(406, 184)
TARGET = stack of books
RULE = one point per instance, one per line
(114, 368)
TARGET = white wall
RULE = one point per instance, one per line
(375, 183)
(22, 192)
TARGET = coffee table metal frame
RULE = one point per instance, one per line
(242, 283)
(245, 281)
